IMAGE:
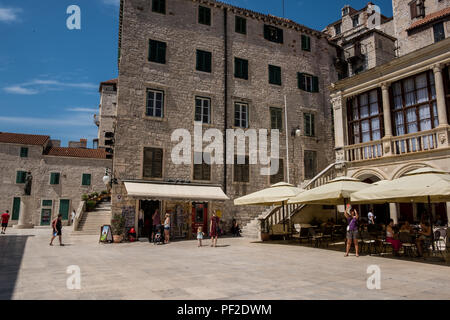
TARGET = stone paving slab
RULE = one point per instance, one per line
(239, 269)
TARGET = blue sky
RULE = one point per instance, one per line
(49, 75)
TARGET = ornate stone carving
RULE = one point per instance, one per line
(442, 138)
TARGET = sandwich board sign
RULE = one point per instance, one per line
(106, 234)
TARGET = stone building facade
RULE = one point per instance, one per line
(60, 175)
(420, 23)
(230, 68)
(106, 118)
(393, 119)
(365, 38)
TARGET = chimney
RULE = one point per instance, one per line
(83, 143)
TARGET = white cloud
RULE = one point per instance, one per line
(35, 122)
(20, 90)
(111, 2)
(40, 85)
(89, 110)
(9, 14)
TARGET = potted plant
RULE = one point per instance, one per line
(265, 232)
(118, 227)
(90, 205)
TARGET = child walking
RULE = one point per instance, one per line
(200, 235)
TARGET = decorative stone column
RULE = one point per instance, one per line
(393, 212)
(442, 133)
(338, 102)
(440, 95)
(387, 142)
(23, 222)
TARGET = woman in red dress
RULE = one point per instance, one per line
(214, 229)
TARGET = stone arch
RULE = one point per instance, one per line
(364, 174)
(409, 167)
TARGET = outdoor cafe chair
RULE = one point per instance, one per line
(300, 233)
(368, 242)
(407, 244)
(438, 248)
(385, 245)
(313, 237)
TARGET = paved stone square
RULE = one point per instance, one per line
(237, 269)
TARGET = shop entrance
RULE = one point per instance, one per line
(200, 217)
(149, 207)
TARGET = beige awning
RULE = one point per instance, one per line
(274, 195)
(335, 192)
(162, 191)
(421, 185)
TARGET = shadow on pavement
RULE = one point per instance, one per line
(12, 250)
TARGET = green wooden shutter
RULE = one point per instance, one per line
(306, 43)
(54, 178)
(315, 82)
(23, 152)
(245, 69)
(157, 163)
(161, 52)
(307, 127)
(313, 133)
(301, 81)
(86, 179)
(64, 208)
(21, 176)
(16, 209)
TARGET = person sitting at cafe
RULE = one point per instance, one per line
(438, 221)
(424, 237)
(235, 229)
(390, 237)
(406, 227)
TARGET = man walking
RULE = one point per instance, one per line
(5, 219)
(57, 229)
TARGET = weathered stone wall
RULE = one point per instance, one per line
(402, 21)
(40, 166)
(107, 112)
(181, 83)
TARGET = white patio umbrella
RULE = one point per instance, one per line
(276, 194)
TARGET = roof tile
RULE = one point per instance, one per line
(430, 18)
(76, 152)
(21, 138)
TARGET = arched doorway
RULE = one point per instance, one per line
(381, 211)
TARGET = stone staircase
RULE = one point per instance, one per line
(273, 215)
(90, 222)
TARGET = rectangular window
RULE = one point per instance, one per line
(47, 203)
(204, 61)
(438, 31)
(21, 176)
(86, 179)
(241, 115)
(157, 51)
(273, 34)
(240, 25)
(365, 117)
(202, 171)
(309, 124)
(204, 15)
(24, 152)
(203, 110)
(310, 164)
(279, 176)
(159, 6)
(54, 177)
(276, 118)
(355, 20)
(274, 75)
(414, 106)
(337, 29)
(417, 8)
(307, 82)
(306, 42)
(241, 68)
(155, 103)
(241, 170)
(153, 161)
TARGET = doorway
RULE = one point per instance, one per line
(64, 208)
(149, 207)
(200, 217)
(46, 215)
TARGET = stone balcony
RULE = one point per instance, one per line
(396, 146)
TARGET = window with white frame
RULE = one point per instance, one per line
(155, 103)
(241, 115)
(203, 109)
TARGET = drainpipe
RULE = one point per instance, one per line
(225, 120)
